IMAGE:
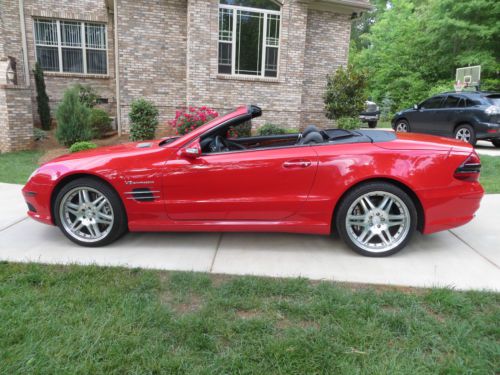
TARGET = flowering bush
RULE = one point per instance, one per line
(187, 121)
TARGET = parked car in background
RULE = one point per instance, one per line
(371, 114)
(467, 116)
(374, 188)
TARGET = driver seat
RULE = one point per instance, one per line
(310, 135)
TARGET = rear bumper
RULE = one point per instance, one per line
(487, 131)
(450, 207)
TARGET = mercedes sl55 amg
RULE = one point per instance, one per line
(373, 188)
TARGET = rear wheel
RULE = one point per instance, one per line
(402, 126)
(376, 219)
(466, 133)
(496, 143)
(90, 213)
(372, 124)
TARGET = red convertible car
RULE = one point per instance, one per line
(374, 188)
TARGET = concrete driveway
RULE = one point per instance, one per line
(486, 148)
(465, 258)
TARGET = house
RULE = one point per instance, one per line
(177, 53)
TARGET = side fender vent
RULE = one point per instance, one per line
(143, 195)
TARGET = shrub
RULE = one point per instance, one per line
(42, 98)
(73, 119)
(87, 94)
(100, 122)
(39, 134)
(271, 129)
(348, 123)
(143, 117)
(187, 121)
(345, 95)
(81, 146)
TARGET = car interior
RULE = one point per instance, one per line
(220, 139)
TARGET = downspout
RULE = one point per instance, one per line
(24, 43)
(117, 69)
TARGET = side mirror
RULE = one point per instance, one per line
(416, 107)
(192, 151)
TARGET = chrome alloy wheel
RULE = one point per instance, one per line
(463, 134)
(402, 127)
(86, 214)
(378, 221)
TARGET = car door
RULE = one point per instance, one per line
(265, 185)
(446, 116)
(424, 120)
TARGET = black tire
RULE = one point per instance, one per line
(372, 124)
(467, 128)
(119, 226)
(496, 143)
(352, 196)
(400, 124)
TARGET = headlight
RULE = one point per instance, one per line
(492, 110)
(34, 173)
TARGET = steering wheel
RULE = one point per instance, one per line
(219, 144)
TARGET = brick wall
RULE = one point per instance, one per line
(327, 48)
(16, 121)
(152, 60)
(77, 10)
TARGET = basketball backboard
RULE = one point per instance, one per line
(469, 76)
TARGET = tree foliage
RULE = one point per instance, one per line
(345, 93)
(412, 48)
(42, 99)
(73, 119)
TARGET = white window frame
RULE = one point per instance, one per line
(265, 13)
(83, 47)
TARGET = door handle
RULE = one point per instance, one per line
(297, 163)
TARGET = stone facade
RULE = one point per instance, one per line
(16, 118)
(168, 53)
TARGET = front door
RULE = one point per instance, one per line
(427, 117)
(264, 185)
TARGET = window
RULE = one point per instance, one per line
(432, 103)
(451, 101)
(71, 47)
(249, 32)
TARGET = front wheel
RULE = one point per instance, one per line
(376, 219)
(466, 133)
(90, 213)
(496, 143)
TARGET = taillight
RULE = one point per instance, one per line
(469, 170)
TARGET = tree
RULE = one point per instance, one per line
(42, 98)
(73, 119)
(413, 47)
(345, 93)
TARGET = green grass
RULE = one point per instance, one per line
(490, 173)
(15, 167)
(91, 320)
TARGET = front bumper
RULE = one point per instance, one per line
(368, 117)
(37, 198)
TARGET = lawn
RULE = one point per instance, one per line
(490, 173)
(91, 320)
(15, 167)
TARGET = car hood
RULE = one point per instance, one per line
(413, 141)
(125, 149)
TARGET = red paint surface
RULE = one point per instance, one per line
(292, 189)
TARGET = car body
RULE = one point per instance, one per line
(371, 114)
(286, 183)
(468, 116)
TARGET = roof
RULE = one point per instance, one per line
(344, 6)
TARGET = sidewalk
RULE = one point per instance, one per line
(465, 258)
